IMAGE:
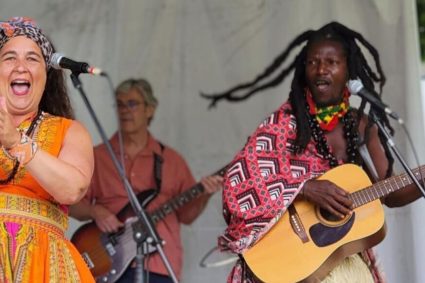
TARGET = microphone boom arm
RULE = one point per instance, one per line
(396, 152)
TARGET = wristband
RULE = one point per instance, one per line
(24, 151)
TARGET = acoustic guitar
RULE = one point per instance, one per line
(308, 249)
(109, 255)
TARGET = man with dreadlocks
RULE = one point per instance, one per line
(314, 131)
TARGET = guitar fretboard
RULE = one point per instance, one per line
(177, 202)
(384, 187)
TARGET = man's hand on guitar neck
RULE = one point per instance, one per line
(212, 184)
(105, 220)
(328, 196)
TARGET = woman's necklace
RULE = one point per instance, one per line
(34, 123)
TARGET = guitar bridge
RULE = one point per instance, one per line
(297, 224)
(88, 260)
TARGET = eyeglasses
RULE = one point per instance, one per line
(131, 104)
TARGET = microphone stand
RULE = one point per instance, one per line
(394, 149)
(143, 239)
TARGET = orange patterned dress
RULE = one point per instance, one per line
(33, 247)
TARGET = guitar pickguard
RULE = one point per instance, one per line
(323, 235)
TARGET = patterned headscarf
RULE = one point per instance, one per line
(23, 26)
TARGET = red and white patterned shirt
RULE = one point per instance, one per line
(263, 180)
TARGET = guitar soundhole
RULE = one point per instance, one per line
(325, 234)
(328, 216)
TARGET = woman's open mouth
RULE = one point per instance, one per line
(20, 87)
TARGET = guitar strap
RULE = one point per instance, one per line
(157, 168)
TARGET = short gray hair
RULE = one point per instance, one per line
(142, 86)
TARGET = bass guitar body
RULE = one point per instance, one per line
(109, 255)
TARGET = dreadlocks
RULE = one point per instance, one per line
(358, 68)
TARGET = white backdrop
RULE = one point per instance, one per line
(185, 46)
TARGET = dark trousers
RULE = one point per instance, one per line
(128, 277)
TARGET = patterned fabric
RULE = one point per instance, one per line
(44, 212)
(33, 247)
(328, 117)
(262, 181)
(19, 26)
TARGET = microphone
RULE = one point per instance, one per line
(59, 61)
(356, 87)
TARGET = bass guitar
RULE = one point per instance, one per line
(109, 255)
(306, 244)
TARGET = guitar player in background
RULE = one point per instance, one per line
(315, 130)
(141, 153)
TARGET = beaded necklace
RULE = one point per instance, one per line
(350, 134)
(328, 117)
(35, 122)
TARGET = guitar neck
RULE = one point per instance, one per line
(180, 200)
(177, 202)
(384, 187)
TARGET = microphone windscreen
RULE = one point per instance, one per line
(55, 60)
(354, 86)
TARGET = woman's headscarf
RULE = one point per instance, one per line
(23, 26)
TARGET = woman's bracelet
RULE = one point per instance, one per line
(23, 151)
